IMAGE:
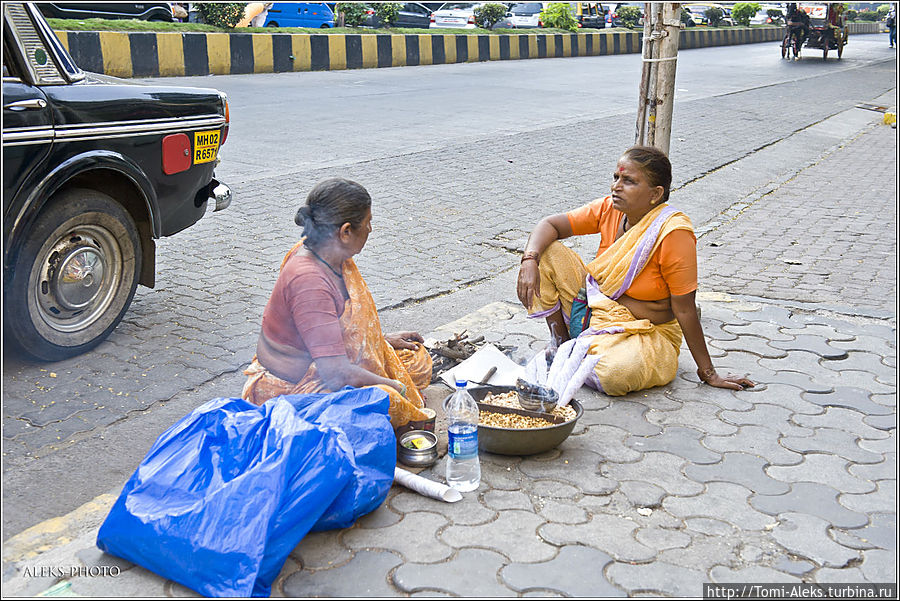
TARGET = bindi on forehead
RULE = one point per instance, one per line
(621, 169)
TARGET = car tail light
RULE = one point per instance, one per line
(370, 12)
(431, 18)
(227, 123)
(472, 20)
(540, 23)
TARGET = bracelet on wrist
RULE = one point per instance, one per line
(706, 374)
(530, 255)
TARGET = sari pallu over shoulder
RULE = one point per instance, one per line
(634, 353)
(365, 346)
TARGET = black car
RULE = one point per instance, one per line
(412, 15)
(94, 169)
(146, 11)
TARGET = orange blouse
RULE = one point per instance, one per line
(672, 269)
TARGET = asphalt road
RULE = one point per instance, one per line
(461, 161)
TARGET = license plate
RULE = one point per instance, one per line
(206, 145)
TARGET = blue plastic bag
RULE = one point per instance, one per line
(225, 494)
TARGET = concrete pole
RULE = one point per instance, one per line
(657, 92)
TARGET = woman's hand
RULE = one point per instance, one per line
(404, 340)
(709, 376)
(529, 284)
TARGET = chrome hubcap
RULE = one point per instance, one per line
(78, 278)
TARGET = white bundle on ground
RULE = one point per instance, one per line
(426, 487)
(570, 368)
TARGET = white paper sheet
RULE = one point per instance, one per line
(475, 367)
(426, 487)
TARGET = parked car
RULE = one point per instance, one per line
(526, 15)
(146, 11)
(317, 15)
(412, 15)
(455, 15)
(589, 14)
(94, 169)
(762, 16)
(698, 13)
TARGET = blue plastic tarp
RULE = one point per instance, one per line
(226, 493)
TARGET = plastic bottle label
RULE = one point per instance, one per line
(463, 445)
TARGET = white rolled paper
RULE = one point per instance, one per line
(426, 487)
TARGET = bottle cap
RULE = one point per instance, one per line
(460, 383)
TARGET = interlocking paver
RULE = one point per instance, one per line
(810, 498)
(738, 468)
(576, 572)
(806, 536)
(863, 379)
(628, 416)
(709, 526)
(755, 345)
(365, 575)
(563, 512)
(579, 468)
(684, 442)
(829, 470)
(514, 534)
(757, 440)
(815, 328)
(879, 566)
(497, 471)
(792, 398)
(830, 440)
(837, 575)
(793, 566)
(499, 500)
(812, 344)
(553, 489)
(608, 442)
(883, 499)
(321, 550)
(725, 399)
(881, 531)
(136, 582)
(425, 545)
(886, 400)
(381, 517)
(466, 511)
(767, 330)
(662, 538)
(840, 418)
(472, 573)
(881, 446)
(662, 469)
(763, 414)
(723, 501)
(703, 416)
(882, 422)
(642, 494)
(876, 471)
(752, 574)
(863, 361)
(659, 578)
(609, 533)
(851, 398)
(867, 343)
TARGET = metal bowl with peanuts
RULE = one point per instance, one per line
(505, 428)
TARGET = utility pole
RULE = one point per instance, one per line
(662, 26)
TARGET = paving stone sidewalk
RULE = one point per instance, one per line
(662, 490)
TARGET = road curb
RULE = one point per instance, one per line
(148, 54)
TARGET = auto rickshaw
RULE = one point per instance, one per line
(827, 27)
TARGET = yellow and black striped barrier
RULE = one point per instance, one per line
(147, 54)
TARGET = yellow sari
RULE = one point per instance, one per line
(634, 353)
(366, 347)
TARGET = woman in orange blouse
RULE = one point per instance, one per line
(640, 287)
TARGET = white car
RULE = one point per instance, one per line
(762, 17)
(526, 15)
(455, 15)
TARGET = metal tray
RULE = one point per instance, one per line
(513, 441)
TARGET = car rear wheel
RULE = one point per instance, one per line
(74, 276)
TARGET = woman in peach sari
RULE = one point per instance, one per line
(639, 288)
(320, 329)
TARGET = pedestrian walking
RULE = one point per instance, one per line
(891, 22)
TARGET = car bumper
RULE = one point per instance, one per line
(221, 194)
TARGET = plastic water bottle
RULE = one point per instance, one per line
(463, 469)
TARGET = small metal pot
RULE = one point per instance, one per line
(418, 457)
